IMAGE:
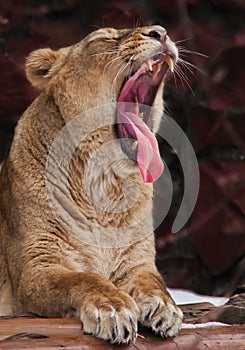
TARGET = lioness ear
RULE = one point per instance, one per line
(38, 66)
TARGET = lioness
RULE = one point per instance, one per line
(76, 216)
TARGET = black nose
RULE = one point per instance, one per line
(159, 35)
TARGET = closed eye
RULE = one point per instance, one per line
(109, 40)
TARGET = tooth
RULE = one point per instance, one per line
(136, 105)
(159, 66)
(141, 115)
(134, 145)
(169, 62)
(149, 65)
(156, 69)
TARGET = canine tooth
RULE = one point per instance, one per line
(134, 145)
(156, 69)
(141, 115)
(136, 105)
(159, 67)
(169, 62)
(149, 65)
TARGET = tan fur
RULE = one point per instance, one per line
(46, 270)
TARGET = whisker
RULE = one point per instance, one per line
(182, 76)
(111, 61)
(177, 75)
(182, 41)
(96, 26)
(188, 64)
(138, 22)
(175, 82)
(182, 49)
(116, 62)
(120, 71)
(181, 73)
(183, 79)
(186, 67)
(131, 59)
(168, 114)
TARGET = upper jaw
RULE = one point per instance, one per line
(168, 53)
(169, 58)
(152, 65)
(154, 69)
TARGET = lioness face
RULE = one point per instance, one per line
(124, 67)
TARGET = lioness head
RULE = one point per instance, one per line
(122, 67)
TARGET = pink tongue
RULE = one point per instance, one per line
(148, 157)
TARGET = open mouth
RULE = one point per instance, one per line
(135, 115)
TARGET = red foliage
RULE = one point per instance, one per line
(218, 220)
(226, 78)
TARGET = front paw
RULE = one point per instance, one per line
(161, 315)
(112, 317)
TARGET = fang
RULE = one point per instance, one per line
(134, 145)
(149, 65)
(169, 62)
(156, 69)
